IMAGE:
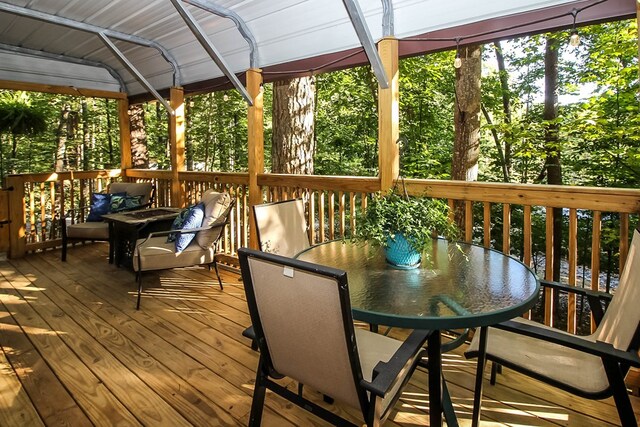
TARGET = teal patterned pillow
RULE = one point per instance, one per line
(125, 203)
(177, 223)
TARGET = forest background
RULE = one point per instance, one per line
(596, 126)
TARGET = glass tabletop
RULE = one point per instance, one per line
(458, 285)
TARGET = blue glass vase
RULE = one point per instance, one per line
(400, 254)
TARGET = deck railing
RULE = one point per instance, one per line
(503, 216)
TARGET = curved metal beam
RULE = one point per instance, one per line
(211, 49)
(129, 66)
(94, 29)
(387, 18)
(242, 26)
(64, 58)
(360, 25)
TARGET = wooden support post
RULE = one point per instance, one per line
(17, 216)
(125, 135)
(255, 125)
(176, 142)
(389, 116)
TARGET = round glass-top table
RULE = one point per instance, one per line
(458, 285)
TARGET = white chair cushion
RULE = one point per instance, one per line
(547, 359)
(157, 254)
(89, 231)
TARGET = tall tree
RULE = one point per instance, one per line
(139, 151)
(466, 117)
(553, 167)
(293, 142)
(63, 134)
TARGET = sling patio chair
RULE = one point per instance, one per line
(282, 229)
(159, 252)
(301, 314)
(591, 366)
(91, 226)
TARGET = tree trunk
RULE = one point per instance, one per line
(293, 142)
(552, 143)
(188, 141)
(86, 137)
(109, 136)
(139, 152)
(466, 116)
(62, 138)
(506, 108)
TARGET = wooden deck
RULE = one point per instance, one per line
(76, 352)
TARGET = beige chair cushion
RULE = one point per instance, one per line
(157, 254)
(282, 227)
(214, 205)
(550, 360)
(89, 231)
(133, 189)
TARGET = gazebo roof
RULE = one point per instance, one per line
(77, 42)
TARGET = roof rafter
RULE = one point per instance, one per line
(94, 29)
(133, 70)
(211, 49)
(360, 25)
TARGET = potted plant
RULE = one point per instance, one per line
(404, 226)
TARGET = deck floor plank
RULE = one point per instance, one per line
(73, 328)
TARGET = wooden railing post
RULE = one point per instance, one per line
(389, 115)
(256, 146)
(125, 134)
(17, 217)
(176, 140)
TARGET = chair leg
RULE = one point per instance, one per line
(139, 289)
(494, 373)
(257, 405)
(620, 394)
(215, 266)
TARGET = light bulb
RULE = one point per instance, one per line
(225, 97)
(457, 63)
(574, 40)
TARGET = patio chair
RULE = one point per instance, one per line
(302, 318)
(155, 252)
(99, 230)
(591, 366)
(282, 229)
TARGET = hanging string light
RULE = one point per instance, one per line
(225, 97)
(574, 40)
(457, 63)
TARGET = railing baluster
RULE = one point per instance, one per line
(572, 312)
(506, 228)
(332, 218)
(468, 221)
(624, 239)
(352, 212)
(311, 217)
(341, 212)
(548, 293)
(486, 224)
(321, 221)
(595, 257)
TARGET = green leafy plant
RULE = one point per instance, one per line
(419, 219)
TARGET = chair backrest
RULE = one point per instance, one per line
(217, 207)
(621, 322)
(282, 228)
(301, 315)
(144, 189)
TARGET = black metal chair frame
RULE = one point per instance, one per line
(220, 223)
(370, 394)
(616, 362)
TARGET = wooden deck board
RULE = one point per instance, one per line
(74, 351)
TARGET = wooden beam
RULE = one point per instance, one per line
(125, 134)
(255, 125)
(389, 116)
(176, 141)
(62, 90)
(17, 216)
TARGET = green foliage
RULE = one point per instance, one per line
(21, 119)
(417, 218)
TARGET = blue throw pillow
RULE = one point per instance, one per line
(177, 223)
(122, 202)
(100, 205)
(192, 220)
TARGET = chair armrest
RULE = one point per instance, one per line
(598, 348)
(595, 298)
(385, 374)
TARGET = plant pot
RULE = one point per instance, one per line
(400, 254)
